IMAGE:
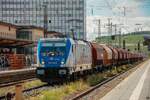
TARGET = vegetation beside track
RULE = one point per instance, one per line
(33, 84)
(97, 78)
(131, 39)
(61, 92)
(66, 90)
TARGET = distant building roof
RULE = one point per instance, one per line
(52, 32)
(7, 24)
(55, 34)
(29, 27)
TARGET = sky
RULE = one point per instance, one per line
(115, 7)
(133, 15)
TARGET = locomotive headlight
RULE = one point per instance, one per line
(62, 62)
(43, 62)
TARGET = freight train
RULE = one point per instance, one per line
(65, 58)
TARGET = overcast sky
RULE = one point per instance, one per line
(116, 7)
(126, 12)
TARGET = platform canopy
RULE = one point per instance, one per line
(15, 43)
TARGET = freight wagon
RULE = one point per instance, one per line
(66, 58)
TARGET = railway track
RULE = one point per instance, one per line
(9, 78)
(26, 91)
(92, 89)
(46, 87)
(77, 97)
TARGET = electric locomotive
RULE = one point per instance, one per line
(60, 58)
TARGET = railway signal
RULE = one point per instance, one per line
(124, 44)
(139, 46)
(45, 19)
(148, 47)
(113, 37)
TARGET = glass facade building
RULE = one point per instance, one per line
(65, 16)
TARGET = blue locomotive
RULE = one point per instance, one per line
(60, 58)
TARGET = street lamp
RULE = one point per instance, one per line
(72, 31)
(45, 18)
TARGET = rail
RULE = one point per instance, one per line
(12, 77)
(11, 95)
(90, 90)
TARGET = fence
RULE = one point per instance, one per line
(16, 61)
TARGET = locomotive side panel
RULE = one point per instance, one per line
(83, 56)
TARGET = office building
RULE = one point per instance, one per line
(64, 16)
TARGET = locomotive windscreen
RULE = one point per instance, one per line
(53, 52)
(53, 49)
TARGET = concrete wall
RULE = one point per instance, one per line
(37, 34)
(7, 31)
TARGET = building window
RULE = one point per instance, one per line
(16, 21)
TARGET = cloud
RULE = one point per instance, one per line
(130, 8)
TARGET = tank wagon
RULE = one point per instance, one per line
(66, 58)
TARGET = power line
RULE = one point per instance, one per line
(124, 11)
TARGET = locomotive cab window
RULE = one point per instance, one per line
(53, 49)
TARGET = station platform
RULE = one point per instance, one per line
(134, 87)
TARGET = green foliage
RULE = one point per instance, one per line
(114, 71)
(119, 70)
(131, 40)
(95, 79)
(59, 93)
(125, 67)
(33, 84)
(109, 74)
